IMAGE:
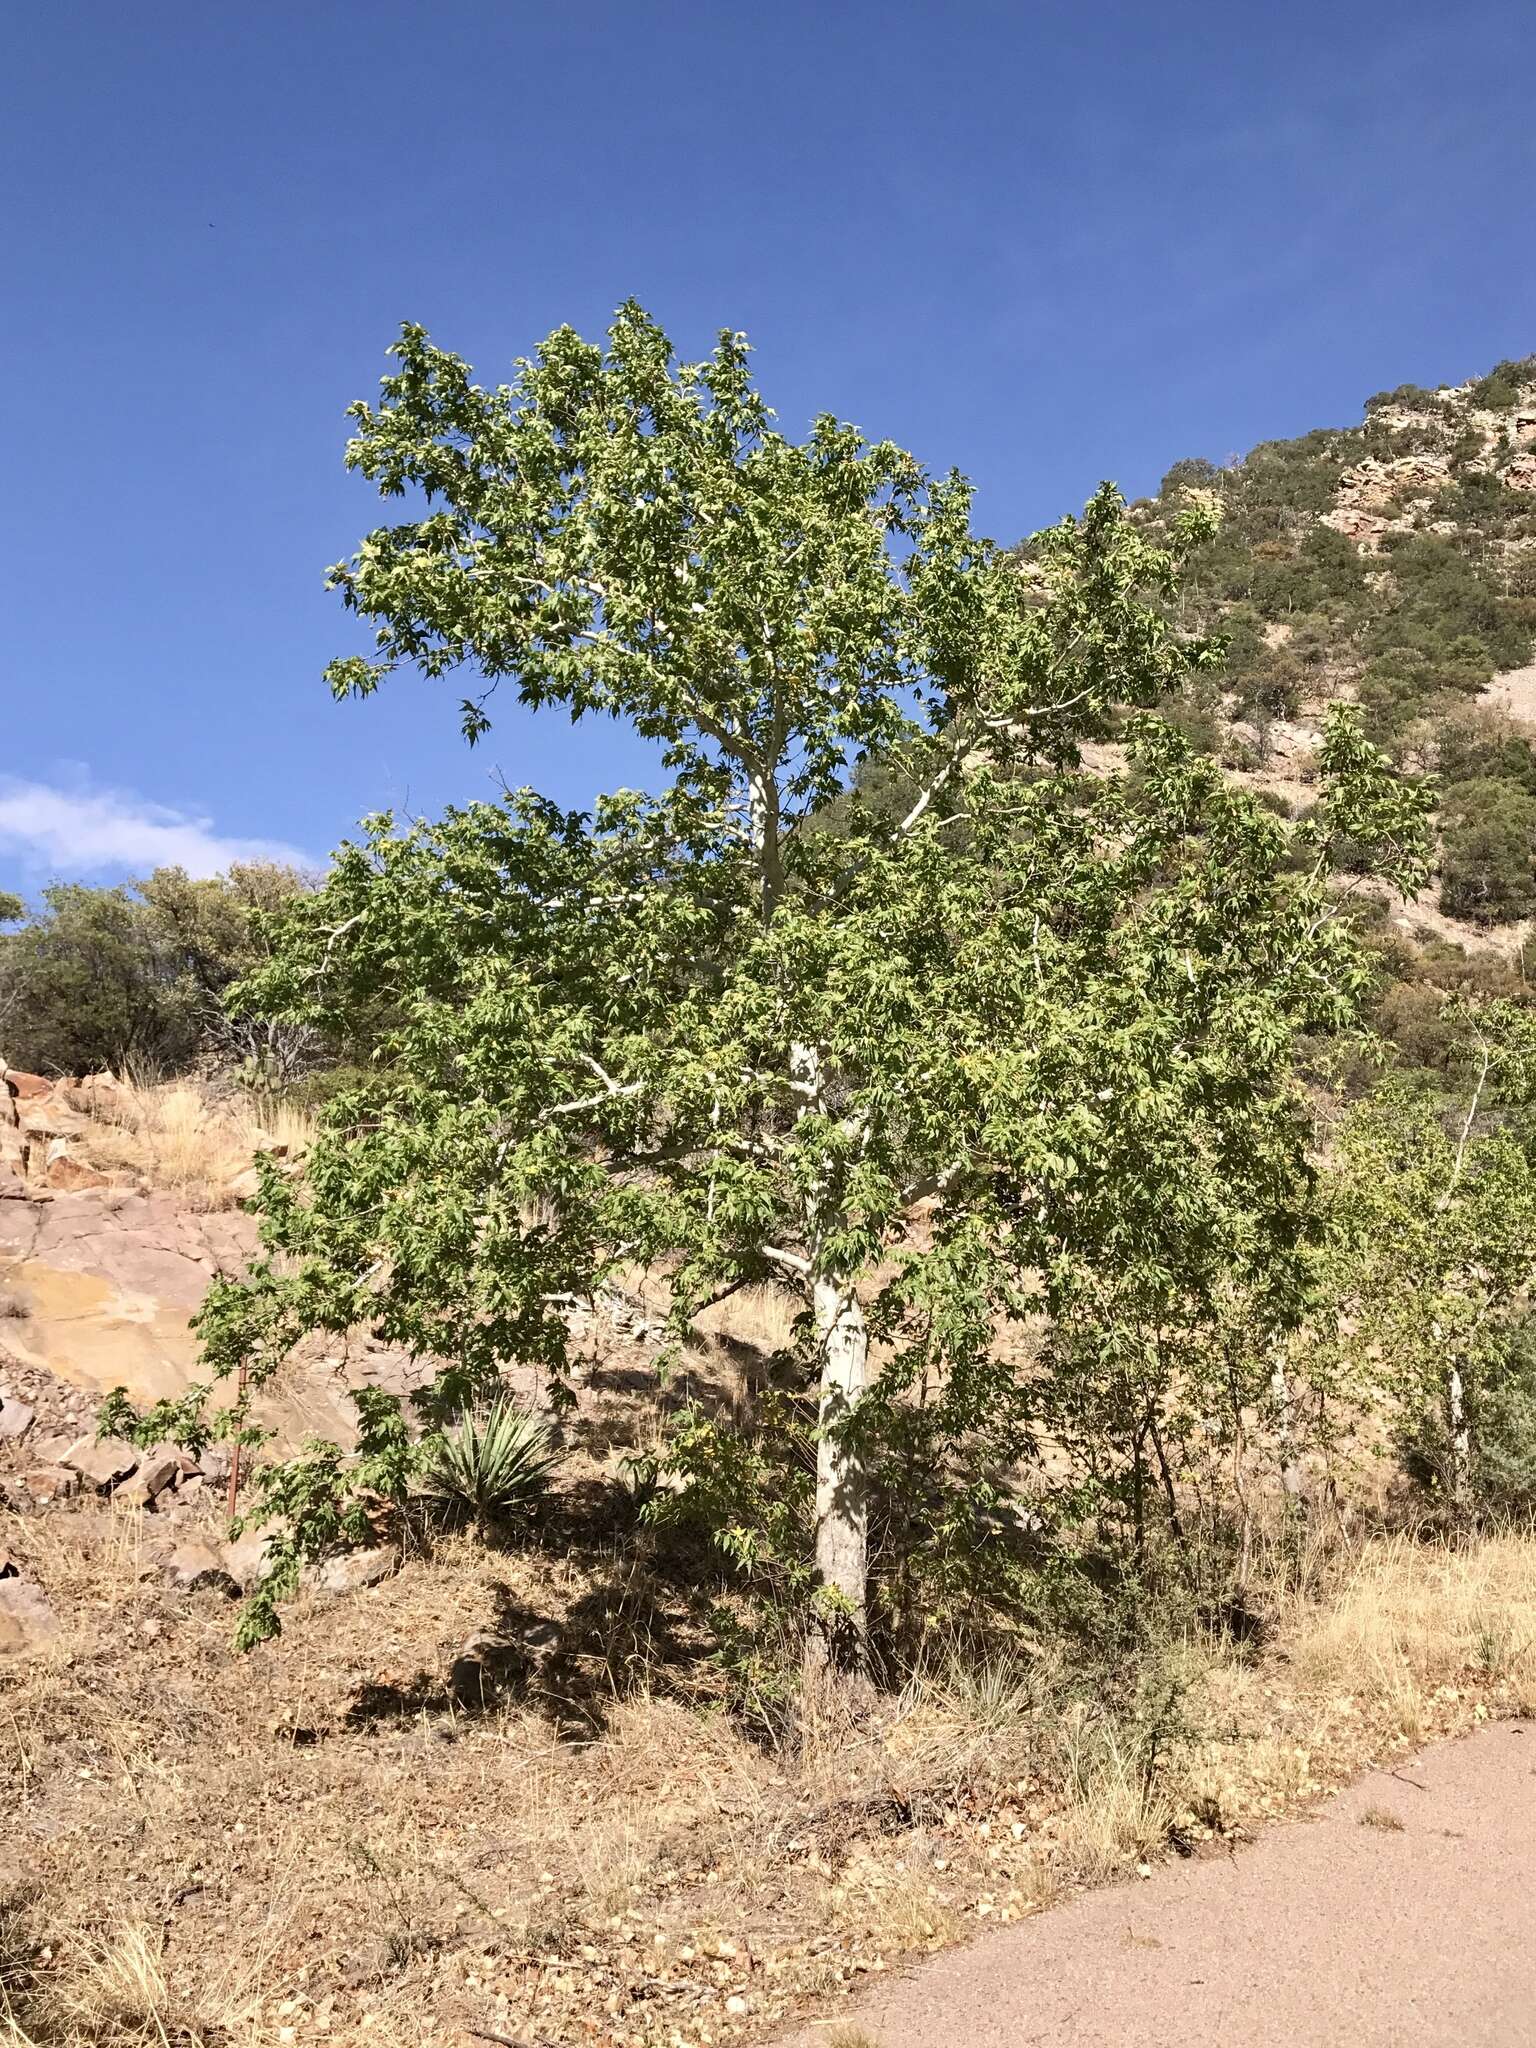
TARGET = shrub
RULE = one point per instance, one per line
(135, 976)
(1504, 384)
(1479, 744)
(1502, 1415)
(1444, 602)
(1394, 692)
(494, 1461)
(1193, 473)
(1504, 1459)
(1412, 1018)
(1406, 397)
(1488, 847)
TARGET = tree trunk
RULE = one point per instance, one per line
(842, 1511)
(1461, 1444)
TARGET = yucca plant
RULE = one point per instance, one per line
(495, 1461)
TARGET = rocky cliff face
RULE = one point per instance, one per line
(1450, 438)
(100, 1274)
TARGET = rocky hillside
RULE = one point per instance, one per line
(1391, 565)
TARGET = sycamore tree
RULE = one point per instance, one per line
(877, 947)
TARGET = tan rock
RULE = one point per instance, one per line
(194, 1565)
(16, 1418)
(30, 1087)
(154, 1477)
(96, 1095)
(249, 1559)
(101, 1461)
(27, 1620)
(67, 1172)
(46, 1483)
(350, 1571)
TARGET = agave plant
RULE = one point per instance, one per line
(495, 1460)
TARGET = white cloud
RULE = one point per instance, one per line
(88, 831)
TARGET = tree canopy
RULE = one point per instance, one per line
(1014, 1044)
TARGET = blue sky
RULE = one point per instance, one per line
(1048, 243)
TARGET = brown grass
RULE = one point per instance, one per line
(186, 1139)
(324, 1837)
(1381, 1817)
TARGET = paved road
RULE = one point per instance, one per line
(1326, 1931)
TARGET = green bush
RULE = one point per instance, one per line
(1504, 1440)
(1442, 603)
(135, 976)
(1394, 691)
(1193, 473)
(1501, 1417)
(1479, 744)
(1412, 1018)
(1407, 397)
(1504, 384)
(1488, 847)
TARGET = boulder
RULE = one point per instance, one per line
(101, 1461)
(215, 1463)
(46, 1483)
(350, 1571)
(30, 1087)
(248, 1559)
(193, 1565)
(16, 1418)
(153, 1477)
(68, 1173)
(27, 1620)
(97, 1095)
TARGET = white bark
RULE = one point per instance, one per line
(1461, 1440)
(842, 1514)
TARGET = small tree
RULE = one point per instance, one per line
(743, 1028)
(1488, 853)
(1434, 1242)
(136, 974)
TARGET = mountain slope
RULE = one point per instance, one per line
(1393, 565)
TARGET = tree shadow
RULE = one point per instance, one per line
(630, 1631)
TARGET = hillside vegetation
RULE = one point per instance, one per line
(1393, 565)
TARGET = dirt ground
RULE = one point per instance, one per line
(1402, 1916)
(498, 1795)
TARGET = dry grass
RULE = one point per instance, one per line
(1381, 1817)
(1413, 1619)
(180, 1137)
(324, 1837)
